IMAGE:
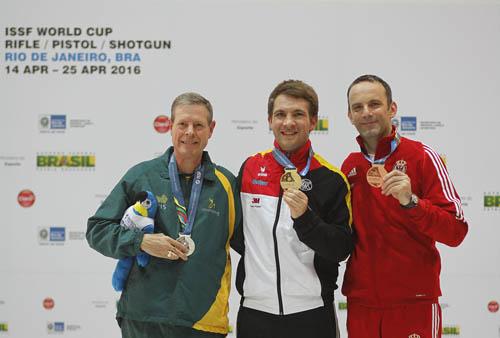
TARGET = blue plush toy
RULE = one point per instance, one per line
(138, 216)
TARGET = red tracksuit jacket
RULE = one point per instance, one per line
(395, 260)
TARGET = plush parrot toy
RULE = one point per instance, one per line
(138, 216)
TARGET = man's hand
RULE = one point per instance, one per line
(162, 246)
(397, 184)
(296, 201)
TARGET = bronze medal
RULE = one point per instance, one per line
(290, 179)
(375, 175)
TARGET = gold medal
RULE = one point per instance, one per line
(290, 179)
(375, 175)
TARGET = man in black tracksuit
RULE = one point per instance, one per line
(296, 227)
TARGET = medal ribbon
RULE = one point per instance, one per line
(182, 212)
(394, 145)
(285, 161)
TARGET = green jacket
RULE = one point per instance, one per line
(193, 293)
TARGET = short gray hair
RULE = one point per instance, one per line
(192, 98)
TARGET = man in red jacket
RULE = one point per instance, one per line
(403, 202)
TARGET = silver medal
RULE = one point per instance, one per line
(188, 242)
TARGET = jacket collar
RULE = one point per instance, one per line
(298, 157)
(208, 165)
(383, 145)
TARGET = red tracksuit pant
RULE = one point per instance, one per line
(407, 321)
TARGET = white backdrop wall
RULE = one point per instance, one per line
(442, 61)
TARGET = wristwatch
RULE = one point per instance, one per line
(413, 202)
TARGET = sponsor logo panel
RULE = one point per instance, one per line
(26, 198)
(58, 123)
(60, 327)
(57, 235)
(52, 123)
(493, 306)
(408, 125)
(245, 124)
(162, 124)
(51, 235)
(491, 201)
(55, 327)
(48, 303)
(431, 125)
(12, 160)
(451, 330)
(322, 126)
(79, 161)
(342, 306)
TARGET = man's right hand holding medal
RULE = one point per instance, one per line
(397, 184)
(160, 245)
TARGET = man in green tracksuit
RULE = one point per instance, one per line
(180, 292)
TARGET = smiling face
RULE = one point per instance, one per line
(369, 110)
(191, 130)
(290, 122)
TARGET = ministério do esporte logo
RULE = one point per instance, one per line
(51, 235)
(52, 123)
(59, 123)
(55, 327)
(405, 124)
(66, 161)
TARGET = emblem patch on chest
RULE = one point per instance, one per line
(306, 185)
(401, 166)
(162, 201)
(211, 208)
(262, 172)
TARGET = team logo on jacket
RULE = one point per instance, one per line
(211, 207)
(162, 201)
(414, 335)
(401, 166)
(211, 203)
(306, 185)
(262, 172)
